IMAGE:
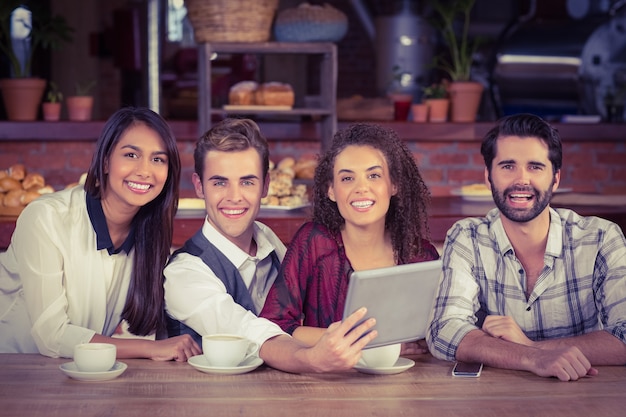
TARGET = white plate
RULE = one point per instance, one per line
(200, 363)
(284, 208)
(401, 365)
(255, 108)
(487, 198)
(70, 369)
(472, 197)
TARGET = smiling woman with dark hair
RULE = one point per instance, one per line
(369, 211)
(83, 259)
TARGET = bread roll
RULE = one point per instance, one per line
(275, 94)
(287, 162)
(479, 189)
(242, 93)
(17, 171)
(33, 181)
(305, 168)
(13, 198)
(9, 184)
(3, 174)
(47, 189)
(29, 196)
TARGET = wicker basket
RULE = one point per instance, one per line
(231, 20)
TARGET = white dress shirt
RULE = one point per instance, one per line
(56, 288)
(195, 296)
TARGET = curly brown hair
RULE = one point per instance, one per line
(407, 218)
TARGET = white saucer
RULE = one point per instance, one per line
(70, 369)
(200, 363)
(401, 365)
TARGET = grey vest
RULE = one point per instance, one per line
(199, 246)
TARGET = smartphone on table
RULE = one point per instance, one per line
(467, 370)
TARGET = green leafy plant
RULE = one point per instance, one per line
(54, 95)
(461, 49)
(436, 90)
(46, 31)
(85, 88)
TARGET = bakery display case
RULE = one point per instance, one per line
(324, 109)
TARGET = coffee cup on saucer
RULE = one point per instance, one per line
(94, 357)
(381, 357)
(227, 350)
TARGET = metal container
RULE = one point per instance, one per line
(405, 45)
(554, 68)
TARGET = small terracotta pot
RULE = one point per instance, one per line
(51, 111)
(22, 97)
(465, 99)
(79, 108)
(438, 109)
(420, 112)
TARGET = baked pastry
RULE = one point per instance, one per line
(9, 184)
(275, 94)
(46, 189)
(28, 196)
(478, 189)
(13, 198)
(33, 181)
(17, 171)
(305, 168)
(243, 93)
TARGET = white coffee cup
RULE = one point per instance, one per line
(94, 357)
(227, 350)
(381, 357)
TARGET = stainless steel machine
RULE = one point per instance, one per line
(575, 66)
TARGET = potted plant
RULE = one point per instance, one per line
(80, 105)
(436, 98)
(52, 103)
(465, 94)
(44, 31)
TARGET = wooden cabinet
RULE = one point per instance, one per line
(324, 111)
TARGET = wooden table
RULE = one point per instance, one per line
(33, 385)
(444, 211)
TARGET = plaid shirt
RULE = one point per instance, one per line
(581, 288)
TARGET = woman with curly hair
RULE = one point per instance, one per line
(369, 211)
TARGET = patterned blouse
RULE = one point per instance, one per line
(312, 284)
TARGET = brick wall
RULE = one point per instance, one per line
(589, 166)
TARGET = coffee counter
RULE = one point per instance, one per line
(444, 211)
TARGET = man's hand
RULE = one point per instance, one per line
(505, 328)
(567, 364)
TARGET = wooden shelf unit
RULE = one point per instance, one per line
(326, 112)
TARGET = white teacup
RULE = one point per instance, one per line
(227, 350)
(381, 357)
(94, 357)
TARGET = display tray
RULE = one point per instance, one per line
(255, 107)
(486, 198)
(10, 211)
(284, 208)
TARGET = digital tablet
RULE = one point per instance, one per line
(399, 297)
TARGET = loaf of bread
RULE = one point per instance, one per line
(17, 171)
(282, 191)
(9, 184)
(242, 93)
(33, 181)
(275, 94)
(18, 188)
